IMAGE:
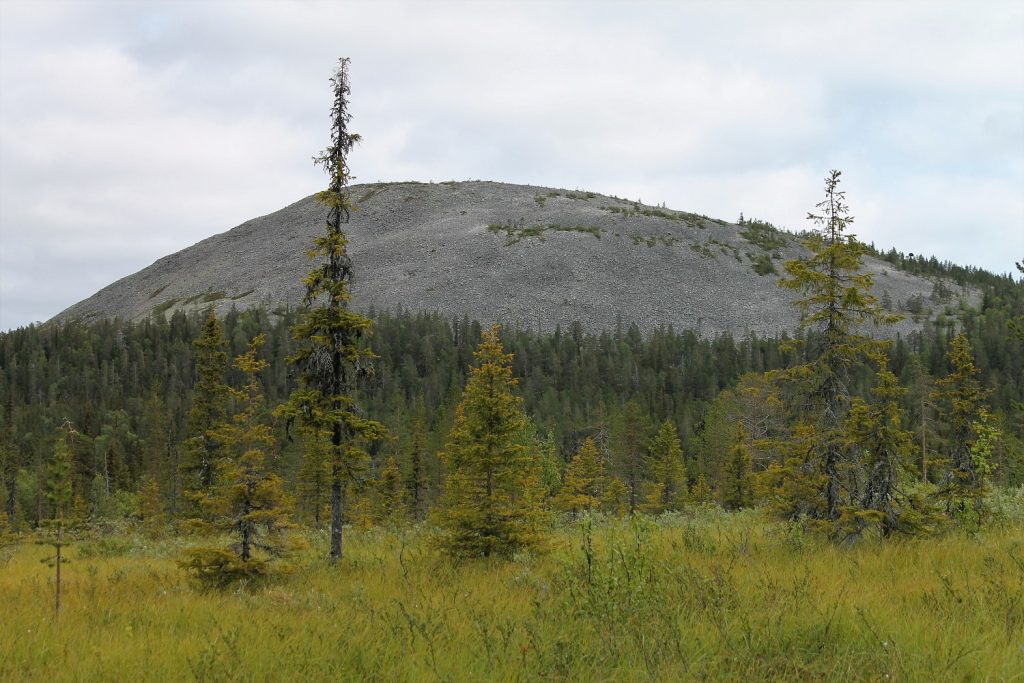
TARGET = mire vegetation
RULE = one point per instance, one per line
(692, 596)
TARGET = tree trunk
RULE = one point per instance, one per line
(336, 514)
(56, 606)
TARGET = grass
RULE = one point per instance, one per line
(696, 596)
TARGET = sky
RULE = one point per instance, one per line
(130, 130)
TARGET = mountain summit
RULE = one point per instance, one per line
(519, 254)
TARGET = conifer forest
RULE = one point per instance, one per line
(325, 493)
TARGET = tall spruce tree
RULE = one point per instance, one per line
(328, 332)
(491, 500)
(836, 303)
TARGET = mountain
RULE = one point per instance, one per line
(520, 254)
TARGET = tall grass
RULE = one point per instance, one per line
(684, 597)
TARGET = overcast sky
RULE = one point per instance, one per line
(129, 130)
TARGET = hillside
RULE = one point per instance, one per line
(519, 254)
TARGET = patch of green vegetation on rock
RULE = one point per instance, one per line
(160, 309)
(517, 231)
(762, 234)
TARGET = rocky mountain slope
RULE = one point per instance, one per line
(525, 255)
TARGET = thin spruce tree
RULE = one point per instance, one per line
(56, 530)
(329, 333)
(963, 485)
(737, 486)
(201, 450)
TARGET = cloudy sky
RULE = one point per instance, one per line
(129, 130)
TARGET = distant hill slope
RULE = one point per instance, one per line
(520, 254)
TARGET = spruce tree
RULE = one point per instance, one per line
(329, 333)
(667, 470)
(583, 487)
(417, 483)
(836, 302)
(389, 494)
(247, 501)
(209, 409)
(151, 509)
(962, 396)
(491, 500)
(56, 529)
(736, 488)
(877, 430)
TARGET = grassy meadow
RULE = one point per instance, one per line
(695, 596)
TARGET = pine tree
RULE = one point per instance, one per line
(737, 486)
(836, 303)
(209, 409)
(248, 500)
(491, 500)
(667, 470)
(962, 486)
(583, 487)
(329, 333)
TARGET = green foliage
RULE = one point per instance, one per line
(763, 235)
(517, 231)
(491, 502)
(666, 471)
(836, 301)
(737, 487)
(328, 333)
(583, 487)
(209, 408)
(964, 484)
(248, 501)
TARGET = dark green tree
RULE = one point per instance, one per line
(209, 409)
(329, 333)
(963, 398)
